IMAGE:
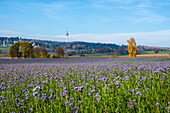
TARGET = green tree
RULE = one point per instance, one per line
(11, 52)
(132, 48)
(14, 51)
(26, 49)
(59, 52)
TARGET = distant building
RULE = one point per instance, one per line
(4, 43)
(16, 42)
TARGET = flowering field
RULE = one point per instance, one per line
(80, 86)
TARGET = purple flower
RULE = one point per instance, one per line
(82, 87)
(30, 109)
(30, 85)
(136, 88)
(146, 88)
(151, 77)
(116, 111)
(139, 93)
(51, 90)
(132, 90)
(50, 97)
(98, 99)
(19, 104)
(79, 90)
(76, 108)
(132, 106)
(80, 102)
(2, 84)
(71, 98)
(1, 97)
(75, 88)
(167, 107)
(117, 83)
(71, 109)
(35, 93)
(73, 82)
(93, 91)
(43, 98)
(66, 103)
(97, 95)
(157, 104)
(70, 104)
(23, 100)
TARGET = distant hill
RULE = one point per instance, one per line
(80, 47)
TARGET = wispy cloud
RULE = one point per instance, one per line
(158, 38)
(139, 11)
(6, 33)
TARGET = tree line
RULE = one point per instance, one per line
(26, 50)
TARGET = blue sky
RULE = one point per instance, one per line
(110, 21)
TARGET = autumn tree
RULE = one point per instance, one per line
(36, 52)
(43, 52)
(132, 48)
(59, 51)
(26, 48)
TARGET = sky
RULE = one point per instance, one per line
(105, 21)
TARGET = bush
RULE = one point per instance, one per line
(48, 55)
(82, 55)
(156, 51)
(52, 56)
(59, 52)
(32, 56)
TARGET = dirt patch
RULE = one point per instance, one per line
(148, 55)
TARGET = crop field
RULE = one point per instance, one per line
(139, 85)
(3, 51)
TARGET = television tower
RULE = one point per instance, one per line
(67, 35)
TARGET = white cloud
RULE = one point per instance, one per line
(6, 33)
(158, 38)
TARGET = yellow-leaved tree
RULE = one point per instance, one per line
(132, 49)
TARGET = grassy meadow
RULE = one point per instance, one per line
(85, 85)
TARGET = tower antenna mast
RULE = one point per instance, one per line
(67, 35)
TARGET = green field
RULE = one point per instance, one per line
(153, 52)
(4, 51)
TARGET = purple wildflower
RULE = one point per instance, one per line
(93, 91)
(31, 109)
(51, 90)
(71, 109)
(146, 88)
(80, 102)
(76, 108)
(157, 104)
(19, 104)
(98, 99)
(139, 93)
(35, 93)
(89, 94)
